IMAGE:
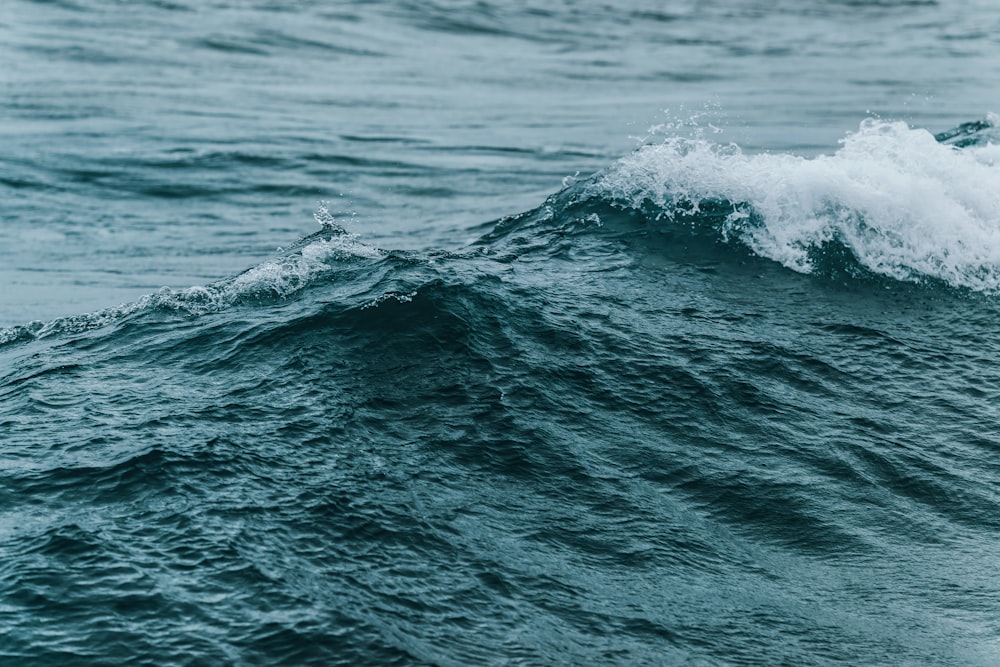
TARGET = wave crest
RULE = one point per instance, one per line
(893, 201)
(902, 203)
(291, 271)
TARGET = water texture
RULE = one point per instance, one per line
(420, 334)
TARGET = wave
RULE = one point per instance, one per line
(593, 389)
(291, 271)
(897, 201)
(893, 203)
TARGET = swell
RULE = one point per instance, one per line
(490, 353)
(352, 454)
(706, 205)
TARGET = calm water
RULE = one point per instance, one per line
(657, 333)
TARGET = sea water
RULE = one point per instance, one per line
(465, 333)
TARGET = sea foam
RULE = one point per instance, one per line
(904, 205)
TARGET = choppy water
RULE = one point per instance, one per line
(731, 399)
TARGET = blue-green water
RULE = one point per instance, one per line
(732, 399)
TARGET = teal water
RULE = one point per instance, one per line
(533, 391)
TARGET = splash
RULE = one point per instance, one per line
(902, 203)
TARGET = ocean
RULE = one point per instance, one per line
(499, 333)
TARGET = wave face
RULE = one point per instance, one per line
(703, 407)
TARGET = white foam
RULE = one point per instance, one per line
(286, 275)
(906, 205)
